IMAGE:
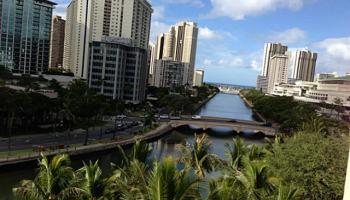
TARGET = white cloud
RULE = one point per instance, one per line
(239, 9)
(338, 48)
(60, 10)
(290, 36)
(206, 33)
(255, 65)
(207, 62)
(334, 54)
(195, 3)
(158, 12)
(157, 28)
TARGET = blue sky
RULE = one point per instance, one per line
(233, 32)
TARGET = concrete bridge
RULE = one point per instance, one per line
(236, 125)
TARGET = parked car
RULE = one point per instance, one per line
(134, 123)
(175, 117)
(196, 117)
(121, 116)
(109, 131)
(164, 116)
(120, 127)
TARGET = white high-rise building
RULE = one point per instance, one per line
(180, 44)
(304, 65)
(151, 57)
(169, 73)
(198, 78)
(278, 71)
(90, 20)
(270, 50)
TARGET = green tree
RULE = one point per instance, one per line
(199, 157)
(51, 182)
(82, 103)
(163, 181)
(89, 183)
(307, 160)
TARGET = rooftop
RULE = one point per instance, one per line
(47, 1)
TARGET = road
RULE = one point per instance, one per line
(54, 139)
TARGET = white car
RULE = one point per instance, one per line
(121, 116)
(196, 117)
(164, 116)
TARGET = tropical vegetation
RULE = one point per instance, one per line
(303, 166)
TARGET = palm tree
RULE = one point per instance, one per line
(255, 180)
(287, 193)
(89, 184)
(199, 157)
(140, 151)
(236, 152)
(53, 179)
(164, 181)
(167, 182)
(222, 189)
(314, 125)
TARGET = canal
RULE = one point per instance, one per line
(222, 105)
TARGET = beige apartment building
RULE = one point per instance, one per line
(304, 66)
(180, 44)
(271, 49)
(91, 20)
(278, 71)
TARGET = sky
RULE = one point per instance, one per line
(232, 33)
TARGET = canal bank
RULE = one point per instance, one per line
(24, 161)
(205, 102)
(257, 115)
(220, 105)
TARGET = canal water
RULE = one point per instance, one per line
(222, 105)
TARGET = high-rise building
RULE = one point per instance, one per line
(25, 28)
(304, 65)
(198, 78)
(270, 50)
(169, 73)
(88, 21)
(278, 71)
(151, 57)
(118, 69)
(180, 44)
(262, 83)
(57, 42)
(151, 62)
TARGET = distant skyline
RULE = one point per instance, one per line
(233, 32)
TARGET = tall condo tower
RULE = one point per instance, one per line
(91, 20)
(270, 50)
(180, 44)
(304, 65)
(57, 42)
(25, 31)
(278, 70)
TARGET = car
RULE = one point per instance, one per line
(121, 116)
(120, 127)
(196, 117)
(109, 131)
(164, 116)
(134, 123)
(175, 117)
